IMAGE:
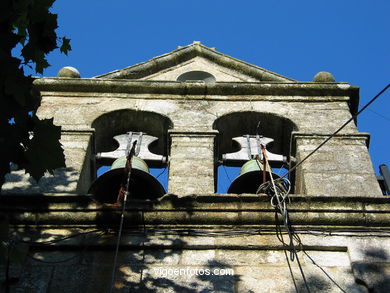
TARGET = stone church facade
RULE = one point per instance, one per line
(198, 109)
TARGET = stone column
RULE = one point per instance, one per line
(79, 150)
(191, 162)
(342, 167)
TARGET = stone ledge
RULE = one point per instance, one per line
(318, 91)
(180, 88)
(197, 210)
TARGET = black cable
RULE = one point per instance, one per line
(293, 251)
(52, 262)
(279, 235)
(337, 131)
(126, 193)
(298, 239)
(380, 115)
(255, 232)
(227, 175)
(329, 277)
(163, 171)
(281, 207)
(63, 260)
(49, 242)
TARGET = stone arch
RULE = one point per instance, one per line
(121, 121)
(240, 123)
(237, 124)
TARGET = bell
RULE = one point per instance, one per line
(250, 178)
(142, 185)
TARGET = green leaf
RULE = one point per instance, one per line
(41, 65)
(65, 47)
(30, 24)
(45, 152)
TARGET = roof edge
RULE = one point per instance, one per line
(189, 52)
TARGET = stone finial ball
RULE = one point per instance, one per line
(324, 76)
(69, 72)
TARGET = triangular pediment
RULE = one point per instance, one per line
(196, 58)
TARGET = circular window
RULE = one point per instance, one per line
(196, 76)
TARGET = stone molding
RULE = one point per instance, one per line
(365, 136)
(208, 210)
(183, 54)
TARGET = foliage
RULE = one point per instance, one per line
(31, 143)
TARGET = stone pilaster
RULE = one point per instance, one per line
(191, 162)
(342, 167)
(75, 178)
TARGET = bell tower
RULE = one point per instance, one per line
(200, 104)
(191, 111)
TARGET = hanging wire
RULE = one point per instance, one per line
(326, 274)
(279, 193)
(279, 189)
(279, 235)
(162, 172)
(126, 193)
(380, 115)
(337, 131)
(227, 175)
(49, 242)
(53, 242)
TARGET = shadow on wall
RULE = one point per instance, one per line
(85, 263)
(64, 180)
(374, 271)
(81, 260)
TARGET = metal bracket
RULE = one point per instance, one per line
(250, 148)
(125, 142)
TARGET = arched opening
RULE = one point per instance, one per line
(116, 131)
(196, 75)
(121, 121)
(237, 136)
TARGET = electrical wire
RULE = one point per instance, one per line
(279, 202)
(49, 242)
(337, 131)
(380, 115)
(279, 193)
(53, 262)
(162, 172)
(326, 274)
(130, 156)
(279, 235)
(263, 231)
(63, 260)
(227, 175)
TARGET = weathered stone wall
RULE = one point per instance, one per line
(314, 109)
(217, 261)
(191, 154)
(76, 177)
(175, 244)
(178, 243)
(343, 164)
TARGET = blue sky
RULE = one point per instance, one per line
(297, 39)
